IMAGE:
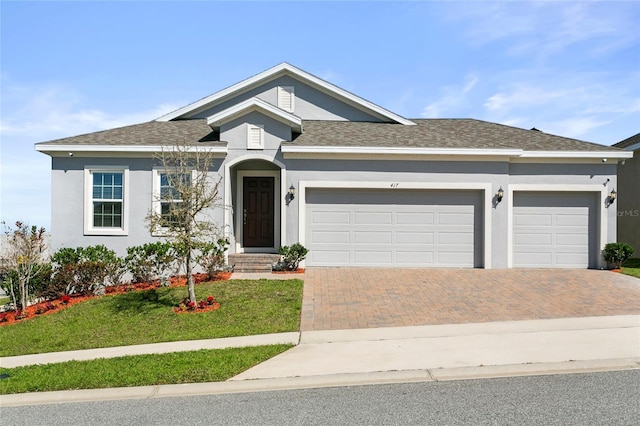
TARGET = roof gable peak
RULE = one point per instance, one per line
(285, 68)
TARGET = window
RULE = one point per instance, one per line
(106, 201)
(255, 136)
(286, 97)
(167, 200)
(170, 198)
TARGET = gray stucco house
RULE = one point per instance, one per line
(629, 195)
(371, 188)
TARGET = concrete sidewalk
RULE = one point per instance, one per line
(402, 354)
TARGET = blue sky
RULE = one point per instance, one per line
(67, 68)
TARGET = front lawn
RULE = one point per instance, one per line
(248, 307)
(142, 370)
(631, 267)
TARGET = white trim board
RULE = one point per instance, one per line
(485, 187)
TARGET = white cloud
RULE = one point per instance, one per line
(57, 111)
(453, 98)
(549, 28)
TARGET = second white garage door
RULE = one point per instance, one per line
(393, 228)
(554, 230)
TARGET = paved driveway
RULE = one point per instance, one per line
(346, 298)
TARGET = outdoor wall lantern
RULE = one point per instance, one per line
(612, 196)
(292, 192)
(499, 194)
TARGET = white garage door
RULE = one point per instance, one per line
(554, 230)
(393, 228)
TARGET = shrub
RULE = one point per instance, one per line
(291, 257)
(84, 270)
(211, 257)
(617, 253)
(151, 261)
(37, 285)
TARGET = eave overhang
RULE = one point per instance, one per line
(507, 154)
(56, 150)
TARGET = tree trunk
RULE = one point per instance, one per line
(23, 294)
(190, 284)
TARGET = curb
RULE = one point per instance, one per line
(336, 380)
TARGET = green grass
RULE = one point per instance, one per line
(631, 267)
(247, 307)
(4, 300)
(142, 370)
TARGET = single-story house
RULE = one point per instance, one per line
(629, 195)
(302, 160)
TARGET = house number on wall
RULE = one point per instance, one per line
(395, 185)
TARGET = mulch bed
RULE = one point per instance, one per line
(49, 307)
(297, 271)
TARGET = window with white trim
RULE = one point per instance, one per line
(106, 191)
(286, 98)
(255, 136)
(167, 200)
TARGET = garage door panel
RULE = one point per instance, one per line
(578, 241)
(555, 229)
(410, 257)
(388, 227)
(336, 237)
(372, 218)
(527, 238)
(411, 218)
(368, 257)
(361, 237)
(460, 238)
(531, 220)
(329, 257)
(330, 217)
(414, 237)
(465, 218)
(578, 219)
(454, 258)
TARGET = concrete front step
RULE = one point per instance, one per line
(253, 262)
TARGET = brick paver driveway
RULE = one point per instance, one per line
(344, 298)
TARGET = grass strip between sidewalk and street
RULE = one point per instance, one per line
(248, 307)
(202, 366)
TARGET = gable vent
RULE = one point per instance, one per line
(286, 97)
(255, 137)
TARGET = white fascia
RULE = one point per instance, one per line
(54, 148)
(398, 151)
(255, 104)
(272, 73)
(576, 154)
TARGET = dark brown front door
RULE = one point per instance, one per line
(258, 212)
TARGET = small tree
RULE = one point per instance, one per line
(26, 247)
(187, 196)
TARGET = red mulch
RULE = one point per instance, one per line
(297, 271)
(42, 308)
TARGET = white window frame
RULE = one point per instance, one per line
(89, 228)
(250, 129)
(286, 92)
(156, 198)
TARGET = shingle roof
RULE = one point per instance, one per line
(150, 133)
(437, 133)
(633, 140)
(427, 133)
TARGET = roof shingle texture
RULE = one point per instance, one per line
(437, 133)
(427, 133)
(150, 133)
